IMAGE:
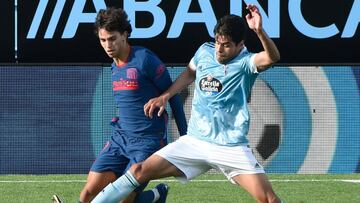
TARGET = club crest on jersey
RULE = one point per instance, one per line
(210, 85)
(131, 73)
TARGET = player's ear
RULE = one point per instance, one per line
(125, 34)
(240, 45)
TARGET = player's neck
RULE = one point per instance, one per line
(123, 56)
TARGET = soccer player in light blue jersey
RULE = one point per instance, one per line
(224, 73)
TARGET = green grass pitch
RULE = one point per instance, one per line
(208, 188)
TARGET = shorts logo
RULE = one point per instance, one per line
(210, 85)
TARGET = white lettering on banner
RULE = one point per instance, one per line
(271, 18)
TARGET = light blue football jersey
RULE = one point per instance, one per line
(219, 112)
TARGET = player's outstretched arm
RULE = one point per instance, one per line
(178, 113)
(270, 54)
(184, 79)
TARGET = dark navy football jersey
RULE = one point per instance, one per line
(142, 77)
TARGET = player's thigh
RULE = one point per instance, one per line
(155, 167)
(96, 181)
(258, 185)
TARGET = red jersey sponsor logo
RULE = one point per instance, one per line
(125, 85)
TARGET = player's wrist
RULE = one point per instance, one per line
(260, 31)
(166, 96)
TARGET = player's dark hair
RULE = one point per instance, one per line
(112, 19)
(232, 26)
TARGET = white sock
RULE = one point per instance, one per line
(156, 195)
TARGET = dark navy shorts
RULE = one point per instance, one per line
(120, 153)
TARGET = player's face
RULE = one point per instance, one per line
(114, 43)
(226, 49)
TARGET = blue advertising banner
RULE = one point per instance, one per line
(44, 119)
(56, 119)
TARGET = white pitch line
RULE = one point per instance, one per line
(352, 181)
(274, 180)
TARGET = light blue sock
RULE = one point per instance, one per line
(118, 190)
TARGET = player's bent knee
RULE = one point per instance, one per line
(141, 173)
(137, 171)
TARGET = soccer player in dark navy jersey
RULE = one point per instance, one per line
(137, 76)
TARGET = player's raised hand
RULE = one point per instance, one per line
(253, 18)
(155, 103)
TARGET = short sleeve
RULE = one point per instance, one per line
(253, 67)
(192, 65)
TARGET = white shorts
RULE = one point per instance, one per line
(195, 157)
